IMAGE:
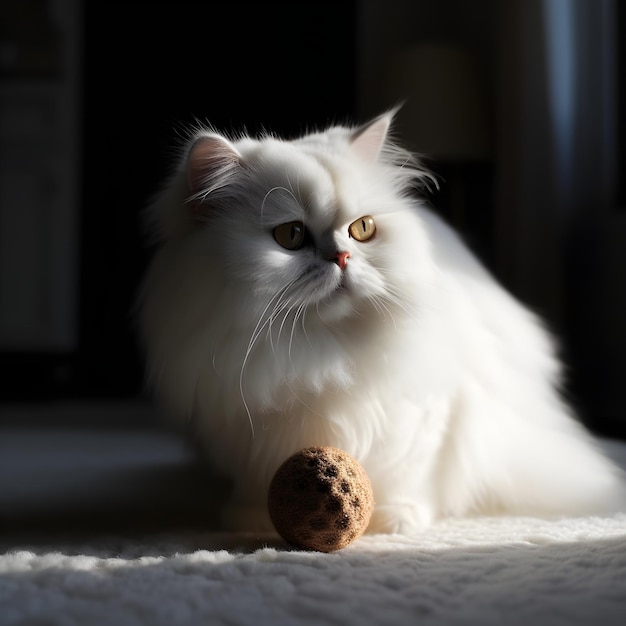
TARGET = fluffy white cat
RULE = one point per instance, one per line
(301, 296)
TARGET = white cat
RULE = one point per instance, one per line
(301, 296)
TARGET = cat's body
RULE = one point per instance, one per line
(302, 297)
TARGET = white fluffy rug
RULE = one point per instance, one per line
(480, 571)
(477, 571)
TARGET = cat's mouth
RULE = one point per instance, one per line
(331, 293)
(338, 296)
(337, 286)
(342, 285)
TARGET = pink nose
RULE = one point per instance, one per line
(341, 258)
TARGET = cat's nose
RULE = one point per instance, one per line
(341, 258)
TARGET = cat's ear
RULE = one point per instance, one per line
(368, 140)
(211, 159)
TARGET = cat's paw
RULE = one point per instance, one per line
(404, 518)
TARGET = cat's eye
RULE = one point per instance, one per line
(363, 229)
(290, 235)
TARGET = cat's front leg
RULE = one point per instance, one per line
(405, 517)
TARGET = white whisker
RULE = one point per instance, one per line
(271, 191)
(256, 333)
(278, 309)
(285, 317)
(297, 315)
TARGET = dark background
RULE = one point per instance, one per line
(236, 65)
(150, 69)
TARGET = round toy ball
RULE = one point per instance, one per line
(320, 499)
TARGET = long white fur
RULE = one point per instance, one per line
(412, 358)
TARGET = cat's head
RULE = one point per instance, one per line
(320, 225)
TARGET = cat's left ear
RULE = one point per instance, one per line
(211, 159)
(368, 140)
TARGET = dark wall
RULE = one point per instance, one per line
(150, 70)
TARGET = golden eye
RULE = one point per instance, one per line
(363, 229)
(290, 235)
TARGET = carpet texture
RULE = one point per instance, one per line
(474, 571)
(478, 571)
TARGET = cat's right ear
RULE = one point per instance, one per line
(368, 140)
(210, 161)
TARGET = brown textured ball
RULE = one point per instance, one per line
(320, 499)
